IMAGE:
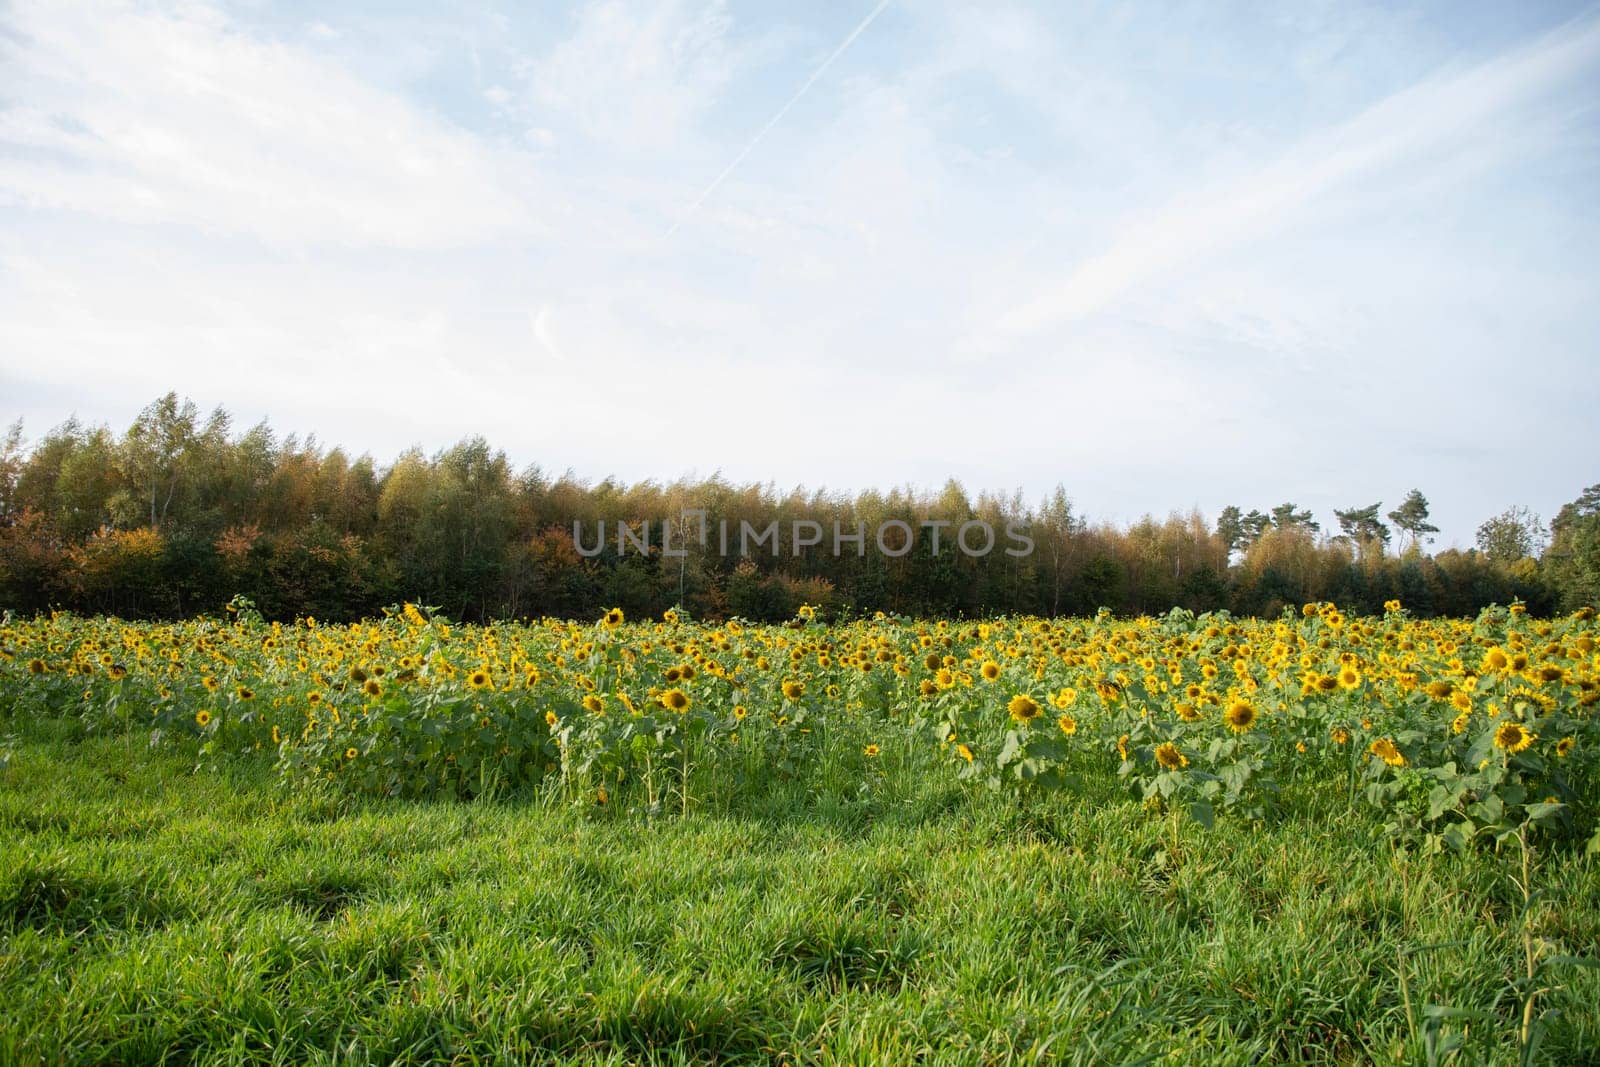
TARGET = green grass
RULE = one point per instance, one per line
(151, 913)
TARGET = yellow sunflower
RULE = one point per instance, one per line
(1240, 716)
(1513, 737)
(1169, 757)
(1385, 750)
(1023, 708)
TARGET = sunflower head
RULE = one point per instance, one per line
(613, 618)
(1240, 716)
(1023, 708)
(1168, 756)
(675, 700)
(1512, 736)
(990, 670)
(1385, 750)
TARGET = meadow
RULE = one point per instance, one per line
(1315, 838)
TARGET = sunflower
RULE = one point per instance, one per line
(1513, 737)
(1325, 683)
(550, 718)
(373, 688)
(740, 711)
(1349, 678)
(1187, 712)
(793, 690)
(1439, 690)
(594, 705)
(478, 679)
(964, 752)
(1169, 757)
(871, 750)
(1023, 708)
(1461, 722)
(1068, 724)
(1340, 735)
(675, 700)
(211, 684)
(613, 619)
(1122, 746)
(1565, 745)
(351, 753)
(1240, 716)
(36, 666)
(945, 679)
(1496, 660)
(1385, 750)
(202, 718)
(990, 670)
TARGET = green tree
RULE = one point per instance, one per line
(1514, 534)
(1574, 554)
(1364, 528)
(1412, 517)
(1287, 517)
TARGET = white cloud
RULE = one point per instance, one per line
(636, 76)
(1443, 115)
(145, 117)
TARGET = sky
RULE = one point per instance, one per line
(1169, 256)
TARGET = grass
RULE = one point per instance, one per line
(151, 912)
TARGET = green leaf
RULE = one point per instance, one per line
(1201, 813)
(1543, 810)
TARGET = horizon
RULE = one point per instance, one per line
(1326, 533)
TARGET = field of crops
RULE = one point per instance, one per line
(1317, 838)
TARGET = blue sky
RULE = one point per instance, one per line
(1169, 256)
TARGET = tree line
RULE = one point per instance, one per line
(180, 513)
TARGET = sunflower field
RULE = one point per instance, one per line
(1468, 738)
(1451, 728)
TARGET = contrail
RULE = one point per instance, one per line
(826, 63)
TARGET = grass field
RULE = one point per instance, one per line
(168, 898)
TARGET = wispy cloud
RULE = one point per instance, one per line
(777, 116)
(635, 76)
(1433, 119)
(145, 116)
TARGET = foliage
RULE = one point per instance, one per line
(180, 512)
